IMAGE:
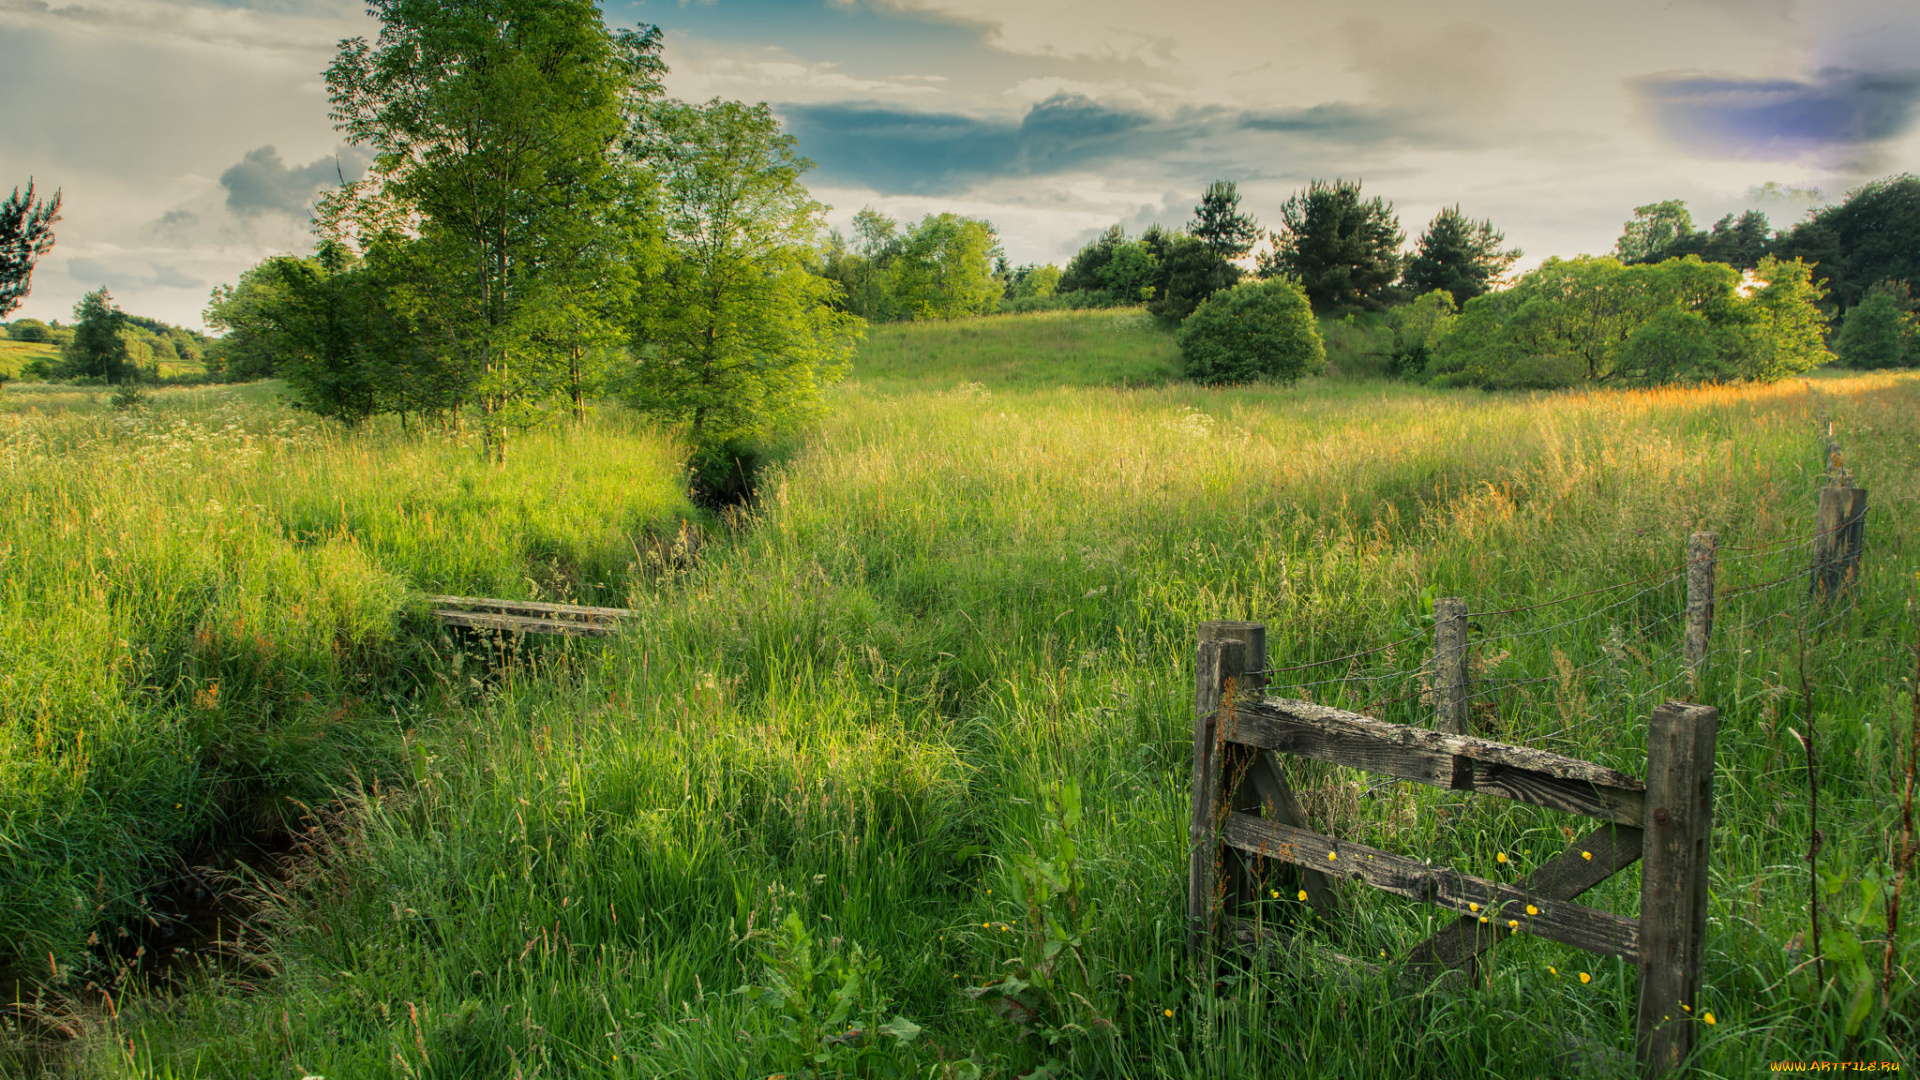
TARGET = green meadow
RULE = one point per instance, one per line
(914, 724)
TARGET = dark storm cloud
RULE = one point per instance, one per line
(1783, 119)
(262, 182)
(900, 151)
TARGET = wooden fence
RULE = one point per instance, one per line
(1248, 827)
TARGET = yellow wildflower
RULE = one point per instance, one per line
(1332, 855)
(1585, 978)
(1500, 858)
(1708, 1017)
(1303, 894)
(1587, 855)
(1473, 907)
(1531, 910)
(1553, 971)
(1513, 924)
(1168, 1013)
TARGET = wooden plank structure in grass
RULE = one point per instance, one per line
(526, 616)
(1247, 824)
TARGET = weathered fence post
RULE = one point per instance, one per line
(1702, 549)
(1839, 529)
(1217, 664)
(1450, 665)
(1673, 881)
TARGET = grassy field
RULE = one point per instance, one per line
(16, 354)
(820, 784)
(1117, 348)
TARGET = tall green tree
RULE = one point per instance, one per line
(99, 346)
(494, 124)
(1462, 256)
(1344, 251)
(26, 233)
(738, 338)
(943, 268)
(1657, 231)
(1880, 330)
(1219, 224)
(1739, 242)
(1873, 235)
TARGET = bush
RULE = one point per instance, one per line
(1255, 330)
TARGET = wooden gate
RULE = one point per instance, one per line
(1245, 815)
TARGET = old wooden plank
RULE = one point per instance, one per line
(1587, 862)
(1428, 757)
(1673, 881)
(530, 607)
(1556, 920)
(520, 624)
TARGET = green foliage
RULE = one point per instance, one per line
(1049, 990)
(1188, 272)
(1656, 230)
(830, 1007)
(26, 233)
(29, 330)
(1873, 235)
(1032, 282)
(1129, 272)
(943, 269)
(1879, 331)
(1220, 226)
(495, 128)
(1595, 320)
(1254, 331)
(1418, 329)
(1344, 252)
(739, 337)
(98, 349)
(1461, 256)
(1084, 271)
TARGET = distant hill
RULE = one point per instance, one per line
(155, 345)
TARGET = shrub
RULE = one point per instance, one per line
(1255, 330)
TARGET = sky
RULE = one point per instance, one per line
(190, 137)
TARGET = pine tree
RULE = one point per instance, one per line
(1344, 252)
(26, 233)
(1219, 224)
(1458, 255)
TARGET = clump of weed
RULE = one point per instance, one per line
(830, 1009)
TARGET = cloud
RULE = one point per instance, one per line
(261, 182)
(894, 150)
(1839, 115)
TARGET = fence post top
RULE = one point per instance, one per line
(1215, 626)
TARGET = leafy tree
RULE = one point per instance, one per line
(1129, 273)
(26, 233)
(1083, 271)
(1655, 231)
(1219, 224)
(1459, 255)
(943, 268)
(29, 330)
(1790, 329)
(1033, 282)
(1189, 272)
(1879, 331)
(739, 338)
(1255, 330)
(1344, 252)
(333, 325)
(1873, 235)
(99, 346)
(1418, 328)
(494, 126)
(1740, 243)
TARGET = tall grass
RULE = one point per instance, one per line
(210, 614)
(953, 604)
